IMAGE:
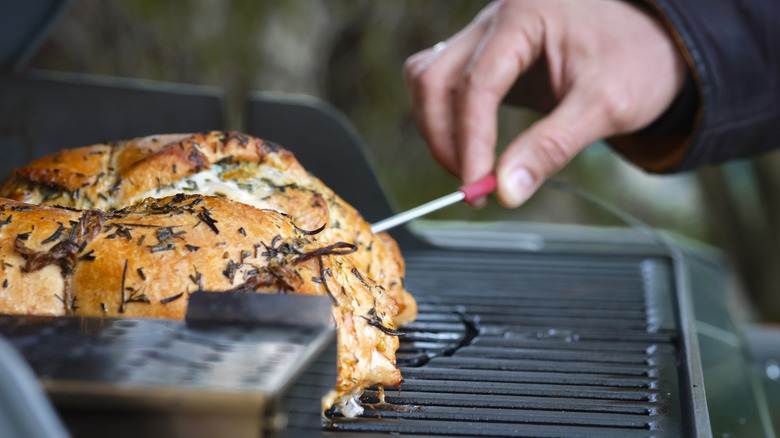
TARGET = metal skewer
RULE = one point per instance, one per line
(466, 193)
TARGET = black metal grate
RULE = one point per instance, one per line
(534, 346)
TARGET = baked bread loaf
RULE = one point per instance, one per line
(116, 230)
(144, 261)
(236, 166)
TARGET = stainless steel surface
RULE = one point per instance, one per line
(278, 310)
(175, 378)
(25, 411)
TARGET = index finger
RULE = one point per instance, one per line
(506, 51)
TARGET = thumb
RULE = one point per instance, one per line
(548, 145)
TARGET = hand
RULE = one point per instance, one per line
(601, 67)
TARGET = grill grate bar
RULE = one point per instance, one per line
(526, 389)
(521, 416)
(545, 332)
(420, 346)
(578, 323)
(407, 426)
(477, 302)
(539, 343)
(518, 311)
(603, 268)
(421, 336)
(602, 357)
(540, 365)
(545, 403)
(584, 292)
(561, 378)
(441, 314)
(423, 326)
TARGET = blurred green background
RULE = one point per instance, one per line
(350, 53)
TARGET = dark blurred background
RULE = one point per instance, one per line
(350, 53)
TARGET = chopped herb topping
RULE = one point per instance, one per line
(284, 248)
(205, 216)
(251, 273)
(135, 296)
(230, 271)
(338, 248)
(115, 186)
(162, 246)
(173, 298)
(164, 233)
(122, 289)
(54, 236)
(97, 178)
(191, 186)
(374, 321)
(197, 278)
(324, 282)
(90, 256)
(312, 232)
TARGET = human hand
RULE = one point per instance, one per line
(601, 67)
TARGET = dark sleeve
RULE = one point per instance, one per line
(730, 105)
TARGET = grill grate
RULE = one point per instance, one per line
(532, 345)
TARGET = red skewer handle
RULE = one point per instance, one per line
(483, 187)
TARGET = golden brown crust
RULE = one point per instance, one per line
(145, 260)
(25, 291)
(116, 175)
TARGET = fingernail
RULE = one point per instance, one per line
(517, 187)
(479, 202)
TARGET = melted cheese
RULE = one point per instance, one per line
(210, 183)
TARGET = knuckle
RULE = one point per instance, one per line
(426, 76)
(411, 71)
(616, 106)
(555, 148)
(469, 87)
(420, 71)
(412, 63)
(469, 80)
